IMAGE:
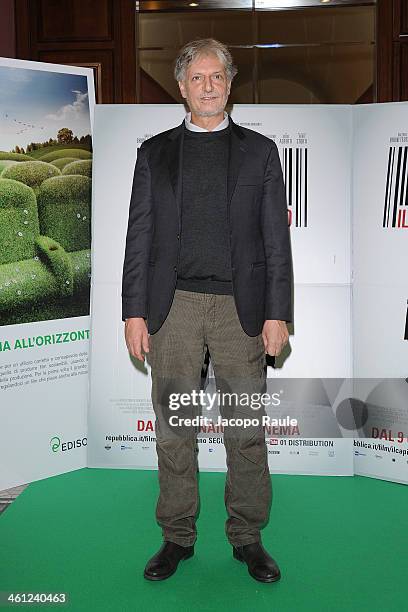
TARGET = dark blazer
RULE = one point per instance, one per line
(258, 223)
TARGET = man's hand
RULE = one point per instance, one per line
(275, 335)
(136, 337)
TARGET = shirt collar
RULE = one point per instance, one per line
(196, 128)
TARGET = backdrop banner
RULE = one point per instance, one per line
(314, 373)
(380, 290)
(45, 240)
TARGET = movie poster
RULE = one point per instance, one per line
(46, 114)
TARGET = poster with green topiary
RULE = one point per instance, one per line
(46, 118)
(45, 195)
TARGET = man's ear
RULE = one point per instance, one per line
(182, 89)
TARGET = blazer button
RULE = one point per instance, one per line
(178, 236)
(175, 268)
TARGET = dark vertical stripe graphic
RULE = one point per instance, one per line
(391, 187)
(397, 182)
(297, 188)
(305, 187)
(290, 176)
(406, 324)
(387, 188)
(403, 178)
(295, 173)
(300, 186)
(396, 187)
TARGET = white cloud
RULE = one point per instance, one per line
(71, 111)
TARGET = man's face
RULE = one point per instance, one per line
(205, 86)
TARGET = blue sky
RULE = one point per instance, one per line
(35, 104)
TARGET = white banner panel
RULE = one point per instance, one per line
(120, 391)
(121, 418)
(379, 328)
(380, 212)
(380, 288)
(45, 169)
(380, 240)
(320, 346)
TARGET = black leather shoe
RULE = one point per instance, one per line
(261, 566)
(165, 561)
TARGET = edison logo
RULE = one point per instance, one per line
(57, 445)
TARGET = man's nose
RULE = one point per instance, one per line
(208, 84)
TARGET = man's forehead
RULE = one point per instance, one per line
(199, 64)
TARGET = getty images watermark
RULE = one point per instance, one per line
(253, 401)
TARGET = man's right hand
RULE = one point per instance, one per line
(136, 337)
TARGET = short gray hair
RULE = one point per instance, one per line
(203, 46)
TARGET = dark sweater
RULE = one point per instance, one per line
(205, 260)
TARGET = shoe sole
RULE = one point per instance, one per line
(239, 557)
(155, 578)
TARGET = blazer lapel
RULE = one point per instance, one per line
(236, 157)
(174, 159)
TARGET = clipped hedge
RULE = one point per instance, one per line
(6, 163)
(59, 261)
(50, 281)
(31, 173)
(64, 210)
(55, 307)
(77, 153)
(81, 266)
(82, 166)
(33, 281)
(62, 162)
(18, 221)
(14, 156)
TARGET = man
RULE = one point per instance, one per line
(207, 264)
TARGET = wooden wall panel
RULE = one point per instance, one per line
(392, 50)
(403, 73)
(384, 42)
(400, 18)
(400, 50)
(91, 33)
(7, 29)
(83, 20)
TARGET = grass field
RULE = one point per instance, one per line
(38, 153)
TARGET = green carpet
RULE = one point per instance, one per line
(341, 544)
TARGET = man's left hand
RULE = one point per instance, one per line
(275, 335)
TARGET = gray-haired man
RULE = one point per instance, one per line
(207, 264)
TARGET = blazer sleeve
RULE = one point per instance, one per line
(275, 229)
(138, 241)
